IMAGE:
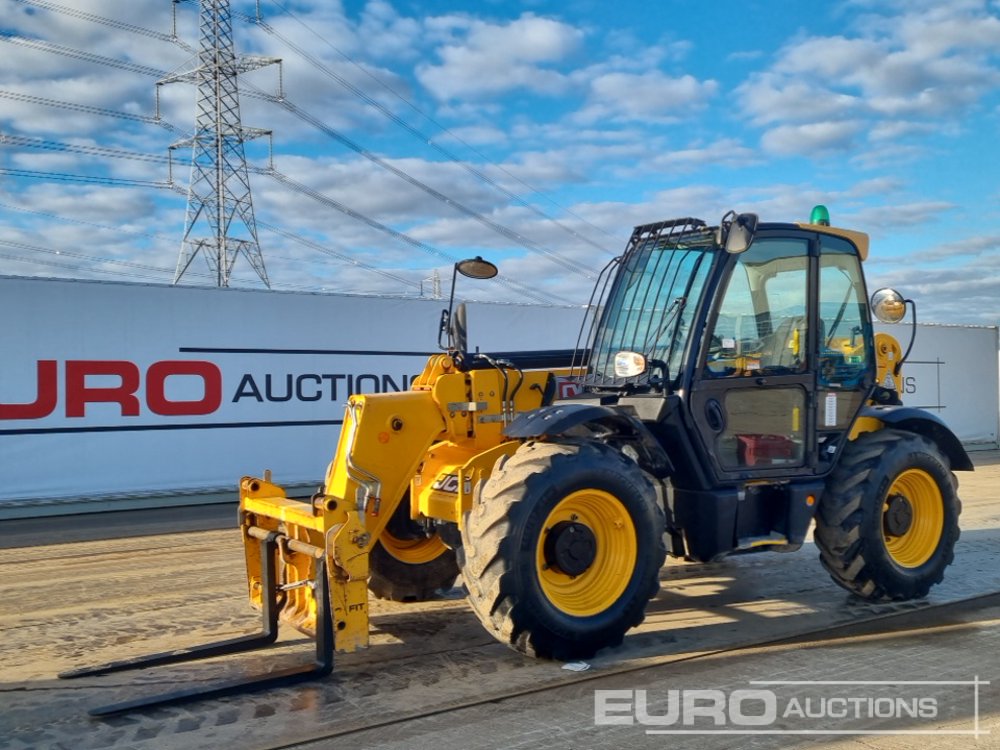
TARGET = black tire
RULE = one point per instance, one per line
(505, 538)
(406, 565)
(859, 545)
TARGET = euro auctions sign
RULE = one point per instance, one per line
(110, 388)
(80, 390)
(840, 707)
(184, 388)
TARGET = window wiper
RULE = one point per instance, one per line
(840, 316)
(675, 307)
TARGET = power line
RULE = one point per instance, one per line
(342, 257)
(284, 179)
(333, 253)
(161, 273)
(82, 178)
(302, 114)
(510, 234)
(84, 222)
(81, 256)
(113, 23)
(281, 101)
(79, 54)
(8, 139)
(74, 266)
(87, 109)
(400, 236)
(433, 121)
(264, 225)
(422, 137)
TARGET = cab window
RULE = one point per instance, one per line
(843, 312)
(762, 325)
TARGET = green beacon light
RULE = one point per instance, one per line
(820, 215)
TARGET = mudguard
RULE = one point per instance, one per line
(558, 419)
(923, 423)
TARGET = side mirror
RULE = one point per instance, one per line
(455, 330)
(476, 268)
(738, 231)
(888, 305)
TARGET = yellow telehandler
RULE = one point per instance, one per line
(731, 392)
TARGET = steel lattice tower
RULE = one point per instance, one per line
(219, 222)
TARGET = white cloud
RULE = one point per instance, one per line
(811, 139)
(909, 70)
(769, 98)
(386, 33)
(478, 134)
(541, 169)
(885, 217)
(970, 247)
(896, 129)
(960, 292)
(875, 187)
(480, 59)
(942, 29)
(829, 57)
(887, 156)
(726, 152)
(621, 97)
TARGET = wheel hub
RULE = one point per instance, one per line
(898, 516)
(570, 547)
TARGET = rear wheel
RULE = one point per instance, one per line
(888, 522)
(563, 549)
(407, 565)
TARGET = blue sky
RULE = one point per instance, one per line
(534, 133)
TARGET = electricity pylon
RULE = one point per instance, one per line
(219, 222)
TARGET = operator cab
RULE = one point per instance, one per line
(753, 338)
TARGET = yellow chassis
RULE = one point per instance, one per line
(438, 441)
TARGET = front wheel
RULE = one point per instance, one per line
(887, 524)
(563, 549)
(407, 564)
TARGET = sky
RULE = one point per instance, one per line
(406, 135)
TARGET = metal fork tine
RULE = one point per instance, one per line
(267, 635)
(323, 666)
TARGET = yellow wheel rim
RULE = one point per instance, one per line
(413, 551)
(914, 547)
(615, 551)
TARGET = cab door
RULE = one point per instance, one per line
(753, 394)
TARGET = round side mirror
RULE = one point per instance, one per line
(476, 268)
(888, 305)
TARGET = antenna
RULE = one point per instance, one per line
(220, 221)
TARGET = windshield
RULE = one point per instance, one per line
(651, 306)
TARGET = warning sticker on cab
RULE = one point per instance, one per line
(830, 418)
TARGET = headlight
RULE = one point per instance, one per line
(629, 364)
